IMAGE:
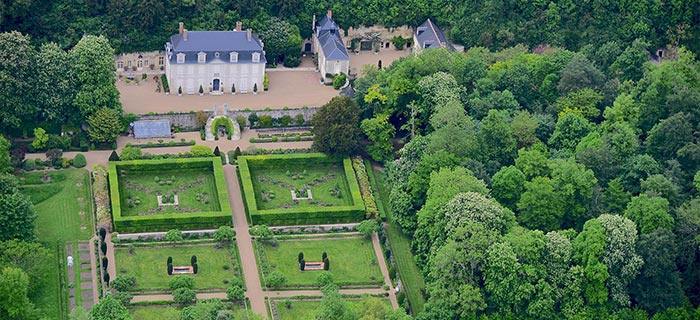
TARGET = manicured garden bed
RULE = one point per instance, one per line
(304, 309)
(276, 189)
(149, 264)
(192, 194)
(352, 260)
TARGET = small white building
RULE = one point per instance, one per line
(215, 60)
(428, 35)
(328, 45)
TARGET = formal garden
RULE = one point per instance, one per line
(351, 260)
(62, 203)
(158, 195)
(288, 309)
(211, 265)
(298, 189)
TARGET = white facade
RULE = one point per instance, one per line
(332, 66)
(214, 75)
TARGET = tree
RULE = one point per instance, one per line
(368, 227)
(336, 127)
(130, 153)
(201, 151)
(282, 40)
(40, 138)
(109, 308)
(381, 132)
(275, 279)
(649, 213)
(181, 281)
(573, 184)
(333, 306)
(496, 138)
(473, 207)
(173, 235)
(17, 214)
(669, 135)
(578, 74)
(324, 278)
(686, 230)
(372, 308)
(79, 313)
(104, 125)
(184, 295)
(540, 207)
(629, 64)
(507, 186)
(658, 285)
(14, 290)
(79, 161)
(620, 257)
(261, 231)
(532, 163)
(123, 283)
(5, 162)
(235, 293)
(93, 62)
(17, 75)
(57, 79)
(224, 234)
(30, 257)
(524, 128)
(615, 198)
(569, 130)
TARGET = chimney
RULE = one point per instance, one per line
(330, 14)
(182, 27)
(313, 23)
(184, 34)
(250, 34)
(239, 26)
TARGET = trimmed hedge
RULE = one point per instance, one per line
(298, 216)
(167, 221)
(222, 121)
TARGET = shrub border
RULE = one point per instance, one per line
(299, 216)
(167, 221)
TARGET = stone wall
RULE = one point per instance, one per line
(187, 121)
(133, 59)
(308, 113)
(385, 34)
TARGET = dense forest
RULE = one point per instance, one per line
(544, 185)
(145, 25)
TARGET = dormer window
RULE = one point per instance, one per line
(180, 58)
(216, 54)
(256, 57)
(201, 57)
(234, 56)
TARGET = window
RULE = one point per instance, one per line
(216, 54)
(234, 56)
(180, 58)
(145, 62)
(256, 57)
(161, 60)
(139, 64)
(120, 65)
(128, 64)
(201, 57)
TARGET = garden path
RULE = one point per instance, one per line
(385, 272)
(111, 266)
(245, 246)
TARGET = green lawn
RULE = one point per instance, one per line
(59, 198)
(155, 313)
(411, 278)
(195, 189)
(148, 264)
(327, 184)
(306, 309)
(352, 260)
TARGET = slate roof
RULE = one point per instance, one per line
(152, 129)
(429, 33)
(328, 35)
(211, 42)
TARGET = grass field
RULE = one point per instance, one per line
(411, 278)
(306, 309)
(148, 264)
(327, 184)
(195, 189)
(155, 313)
(59, 198)
(352, 260)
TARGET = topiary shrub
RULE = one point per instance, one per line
(106, 278)
(301, 257)
(170, 268)
(302, 264)
(181, 281)
(193, 260)
(105, 263)
(324, 256)
(339, 81)
(326, 264)
(103, 248)
(114, 156)
(195, 268)
(103, 234)
(217, 152)
(79, 161)
(184, 295)
(29, 165)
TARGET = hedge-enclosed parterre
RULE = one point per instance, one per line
(299, 216)
(168, 221)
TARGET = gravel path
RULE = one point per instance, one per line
(385, 272)
(245, 246)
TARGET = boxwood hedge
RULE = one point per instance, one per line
(168, 221)
(298, 216)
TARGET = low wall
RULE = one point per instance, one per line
(182, 120)
(308, 113)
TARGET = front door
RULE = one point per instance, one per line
(215, 85)
(307, 47)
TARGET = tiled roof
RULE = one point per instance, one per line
(211, 42)
(329, 38)
(428, 33)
